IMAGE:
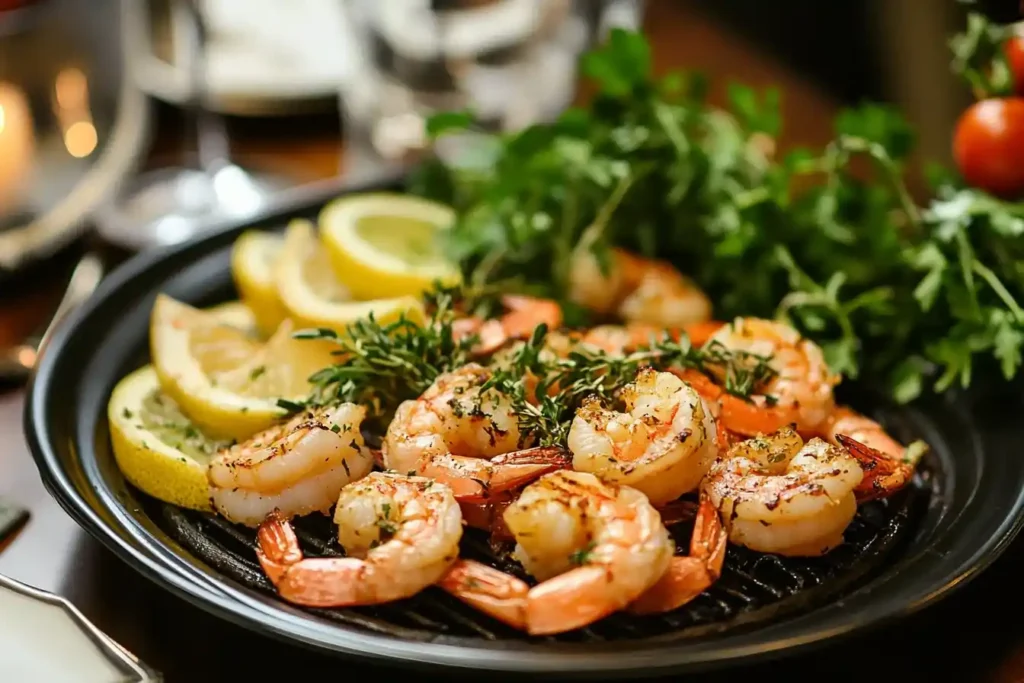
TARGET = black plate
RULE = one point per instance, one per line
(961, 514)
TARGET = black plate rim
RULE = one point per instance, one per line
(240, 605)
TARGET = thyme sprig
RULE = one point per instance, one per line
(562, 384)
(382, 364)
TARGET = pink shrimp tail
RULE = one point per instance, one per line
(689, 576)
(278, 547)
(489, 590)
(474, 480)
(883, 475)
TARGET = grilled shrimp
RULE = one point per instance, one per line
(295, 468)
(621, 339)
(801, 388)
(662, 445)
(780, 495)
(525, 314)
(400, 534)
(595, 547)
(637, 289)
(464, 437)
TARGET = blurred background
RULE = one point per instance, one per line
(129, 124)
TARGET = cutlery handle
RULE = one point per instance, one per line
(12, 518)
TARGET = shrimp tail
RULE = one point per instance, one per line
(555, 457)
(490, 516)
(883, 475)
(278, 547)
(689, 576)
(312, 582)
(474, 480)
(489, 590)
(569, 601)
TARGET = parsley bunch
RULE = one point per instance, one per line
(903, 295)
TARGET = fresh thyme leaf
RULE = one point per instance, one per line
(384, 364)
(588, 373)
(582, 556)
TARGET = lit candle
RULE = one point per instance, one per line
(17, 143)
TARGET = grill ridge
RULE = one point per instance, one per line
(754, 587)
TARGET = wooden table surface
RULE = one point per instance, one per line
(960, 639)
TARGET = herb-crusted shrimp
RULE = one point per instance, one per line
(294, 468)
(466, 437)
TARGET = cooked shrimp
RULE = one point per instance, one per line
(296, 468)
(637, 289)
(400, 534)
(800, 390)
(888, 464)
(525, 314)
(662, 445)
(595, 547)
(450, 431)
(780, 495)
(622, 339)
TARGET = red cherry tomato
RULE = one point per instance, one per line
(989, 146)
(1015, 56)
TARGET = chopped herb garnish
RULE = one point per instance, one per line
(587, 373)
(257, 372)
(582, 556)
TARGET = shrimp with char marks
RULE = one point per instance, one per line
(466, 437)
(797, 386)
(595, 547)
(777, 494)
(400, 535)
(662, 445)
(296, 468)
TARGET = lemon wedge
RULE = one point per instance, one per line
(225, 381)
(386, 245)
(315, 298)
(156, 447)
(252, 268)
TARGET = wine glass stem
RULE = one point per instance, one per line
(211, 140)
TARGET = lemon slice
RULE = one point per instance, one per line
(236, 314)
(252, 267)
(386, 245)
(315, 298)
(156, 447)
(227, 382)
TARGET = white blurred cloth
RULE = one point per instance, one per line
(270, 46)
